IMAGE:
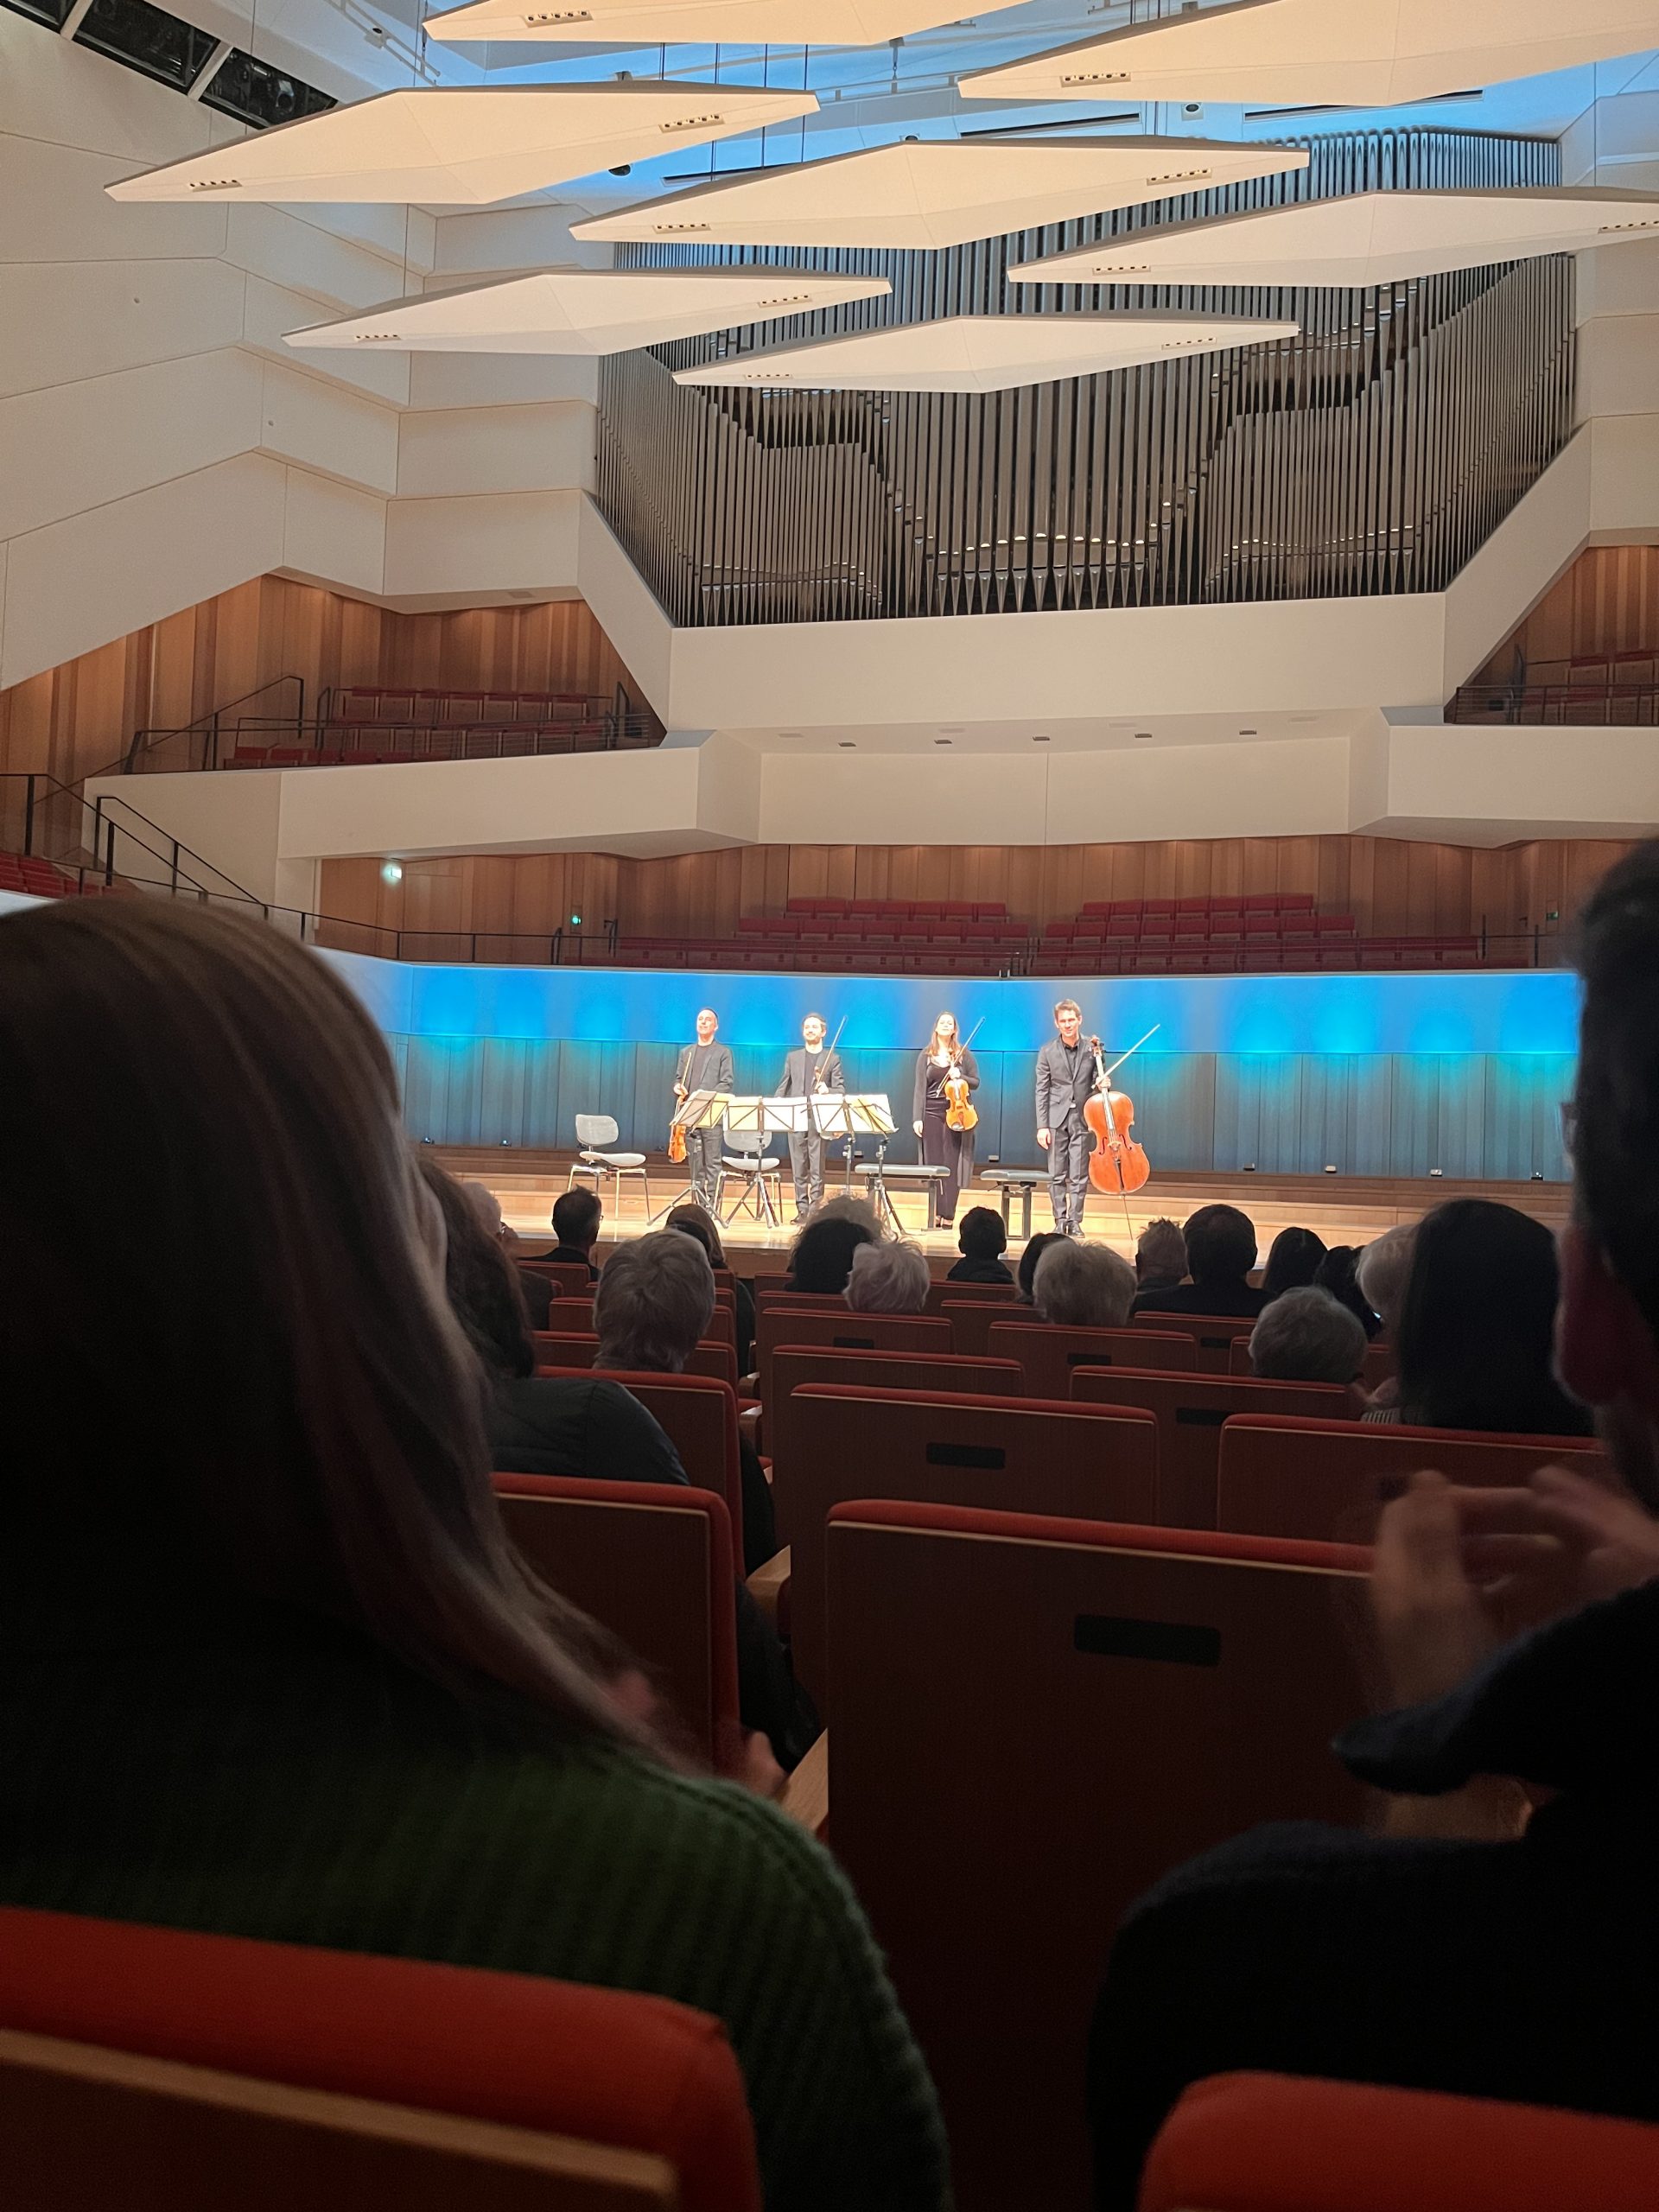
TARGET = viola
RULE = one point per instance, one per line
(960, 1112)
(677, 1144)
(1118, 1164)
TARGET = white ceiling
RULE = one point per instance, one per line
(983, 352)
(590, 310)
(463, 148)
(1355, 52)
(1368, 238)
(762, 23)
(942, 192)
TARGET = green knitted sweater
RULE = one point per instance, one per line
(293, 1784)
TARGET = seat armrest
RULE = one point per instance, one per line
(767, 1584)
(806, 1793)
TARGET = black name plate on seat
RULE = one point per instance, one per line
(1102, 1635)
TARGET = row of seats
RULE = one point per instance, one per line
(430, 709)
(38, 879)
(380, 747)
(1249, 902)
(976, 910)
(1257, 956)
(956, 954)
(1226, 923)
(336, 2079)
(882, 928)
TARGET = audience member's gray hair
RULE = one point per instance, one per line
(654, 1298)
(851, 1210)
(1308, 1336)
(1381, 1270)
(887, 1279)
(485, 1203)
(1083, 1287)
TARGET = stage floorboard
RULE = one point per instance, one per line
(1343, 1210)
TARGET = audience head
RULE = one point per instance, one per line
(576, 1217)
(821, 1259)
(655, 1300)
(849, 1208)
(982, 1233)
(1160, 1255)
(1027, 1269)
(288, 1411)
(693, 1220)
(1305, 1336)
(887, 1279)
(485, 1203)
(1477, 1329)
(1339, 1273)
(1220, 1245)
(481, 1281)
(1084, 1286)
(1382, 1271)
(1610, 1308)
(1293, 1260)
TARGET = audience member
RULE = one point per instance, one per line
(576, 1425)
(1304, 1336)
(538, 1290)
(1293, 1260)
(655, 1301)
(692, 1220)
(1339, 1273)
(821, 1259)
(1220, 1252)
(1084, 1286)
(576, 1217)
(1472, 1948)
(1476, 1330)
(982, 1239)
(1383, 1268)
(1160, 1255)
(1028, 1259)
(267, 1663)
(890, 1278)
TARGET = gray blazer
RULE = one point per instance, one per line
(1058, 1096)
(721, 1074)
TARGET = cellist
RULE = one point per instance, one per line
(944, 1062)
(1067, 1075)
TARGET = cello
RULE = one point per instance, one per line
(1118, 1163)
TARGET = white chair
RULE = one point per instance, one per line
(595, 1132)
(746, 1159)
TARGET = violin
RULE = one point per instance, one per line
(1118, 1164)
(960, 1112)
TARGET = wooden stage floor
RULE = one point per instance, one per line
(1343, 1210)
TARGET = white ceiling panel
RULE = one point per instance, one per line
(939, 191)
(983, 353)
(590, 310)
(746, 22)
(1370, 237)
(455, 149)
(1339, 53)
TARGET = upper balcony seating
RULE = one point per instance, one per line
(38, 879)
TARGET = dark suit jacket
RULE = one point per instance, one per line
(795, 1084)
(720, 1075)
(569, 1256)
(1059, 1092)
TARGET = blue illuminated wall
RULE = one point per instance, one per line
(1379, 1074)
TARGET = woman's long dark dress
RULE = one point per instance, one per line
(943, 1148)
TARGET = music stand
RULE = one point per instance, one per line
(765, 1118)
(700, 1111)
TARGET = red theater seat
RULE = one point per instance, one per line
(1191, 1409)
(154, 2068)
(653, 1563)
(831, 1324)
(1047, 1354)
(699, 1417)
(1269, 2143)
(556, 1349)
(999, 1796)
(1213, 1334)
(1327, 1480)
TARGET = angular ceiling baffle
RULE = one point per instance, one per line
(743, 22)
(466, 148)
(941, 192)
(991, 353)
(1370, 237)
(1330, 53)
(590, 310)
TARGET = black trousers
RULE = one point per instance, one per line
(702, 1163)
(1068, 1172)
(946, 1147)
(806, 1167)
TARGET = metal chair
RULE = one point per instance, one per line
(594, 1133)
(746, 1159)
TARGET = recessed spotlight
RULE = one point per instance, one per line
(1040, 740)
(1249, 733)
(944, 741)
(1143, 737)
(848, 746)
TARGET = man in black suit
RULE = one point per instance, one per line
(1220, 1253)
(807, 1074)
(704, 1066)
(1066, 1076)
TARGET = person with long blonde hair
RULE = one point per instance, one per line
(943, 1059)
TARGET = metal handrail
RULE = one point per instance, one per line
(207, 725)
(1470, 700)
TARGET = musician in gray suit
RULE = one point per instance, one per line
(807, 1073)
(1066, 1074)
(704, 1066)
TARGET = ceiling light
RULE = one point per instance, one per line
(1040, 740)
(846, 744)
(1142, 736)
(991, 353)
(935, 193)
(1367, 237)
(655, 23)
(1343, 53)
(590, 310)
(944, 741)
(1249, 733)
(464, 147)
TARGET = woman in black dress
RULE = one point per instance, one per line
(945, 1056)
